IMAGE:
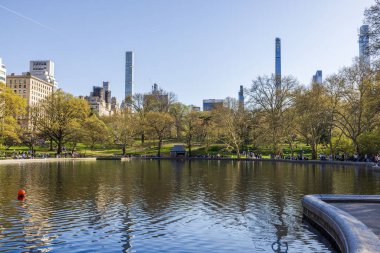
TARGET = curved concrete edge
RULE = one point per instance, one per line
(349, 198)
(350, 234)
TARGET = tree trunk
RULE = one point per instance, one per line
(51, 144)
(142, 138)
(331, 149)
(177, 130)
(159, 146)
(189, 144)
(237, 151)
(357, 148)
(291, 149)
(73, 149)
(59, 148)
(123, 149)
(313, 151)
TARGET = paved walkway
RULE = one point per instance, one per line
(368, 213)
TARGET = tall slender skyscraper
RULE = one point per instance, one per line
(128, 74)
(317, 78)
(278, 63)
(241, 97)
(364, 44)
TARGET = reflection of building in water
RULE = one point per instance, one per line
(178, 164)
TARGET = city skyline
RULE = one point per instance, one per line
(172, 55)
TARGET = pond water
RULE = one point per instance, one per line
(168, 206)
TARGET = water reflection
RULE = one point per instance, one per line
(167, 206)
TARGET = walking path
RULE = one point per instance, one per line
(352, 221)
(368, 213)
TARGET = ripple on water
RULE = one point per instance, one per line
(145, 206)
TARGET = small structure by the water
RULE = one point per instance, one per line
(178, 151)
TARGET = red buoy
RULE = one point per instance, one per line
(21, 194)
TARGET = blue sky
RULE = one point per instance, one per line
(195, 48)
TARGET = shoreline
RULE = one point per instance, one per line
(43, 160)
(259, 160)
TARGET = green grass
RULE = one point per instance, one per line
(150, 149)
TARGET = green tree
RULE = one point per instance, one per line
(192, 128)
(123, 128)
(372, 18)
(159, 123)
(208, 129)
(59, 115)
(178, 111)
(359, 106)
(77, 135)
(95, 131)
(312, 118)
(234, 126)
(271, 102)
(31, 137)
(12, 111)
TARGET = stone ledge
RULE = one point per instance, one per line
(350, 234)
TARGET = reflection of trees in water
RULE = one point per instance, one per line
(237, 194)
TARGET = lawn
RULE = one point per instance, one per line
(150, 149)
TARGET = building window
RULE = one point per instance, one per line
(25, 86)
(10, 81)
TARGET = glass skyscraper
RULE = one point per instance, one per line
(317, 78)
(241, 97)
(278, 63)
(128, 74)
(364, 44)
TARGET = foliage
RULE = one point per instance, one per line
(94, 131)
(271, 102)
(372, 17)
(123, 128)
(311, 108)
(59, 116)
(192, 128)
(159, 123)
(12, 112)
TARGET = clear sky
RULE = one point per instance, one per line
(195, 48)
